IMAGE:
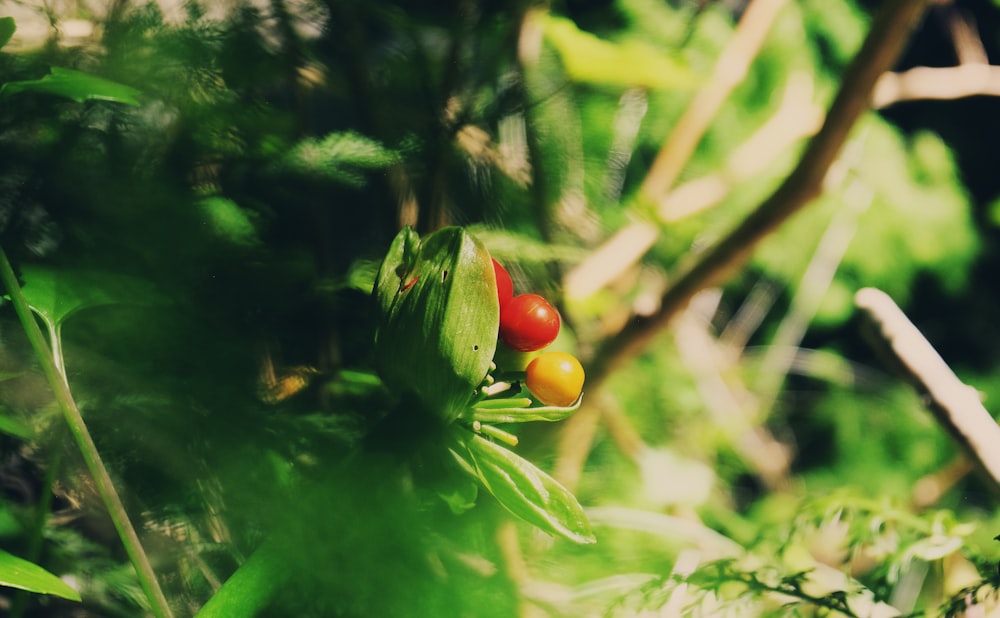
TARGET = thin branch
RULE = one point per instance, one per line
(630, 243)
(965, 37)
(732, 408)
(795, 118)
(885, 41)
(954, 404)
(88, 450)
(730, 69)
(934, 83)
(810, 292)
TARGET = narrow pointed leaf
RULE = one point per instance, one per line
(522, 414)
(19, 573)
(439, 318)
(522, 488)
(77, 86)
(505, 402)
(13, 427)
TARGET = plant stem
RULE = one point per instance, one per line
(105, 487)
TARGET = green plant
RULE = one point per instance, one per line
(200, 254)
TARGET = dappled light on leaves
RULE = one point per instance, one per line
(264, 346)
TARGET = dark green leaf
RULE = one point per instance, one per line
(439, 318)
(522, 488)
(77, 86)
(57, 294)
(7, 29)
(19, 573)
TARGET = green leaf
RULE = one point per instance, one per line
(522, 488)
(503, 402)
(13, 427)
(506, 245)
(57, 294)
(341, 157)
(590, 59)
(439, 318)
(399, 261)
(513, 413)
(248, 591)
(7, 29)
(19, 573)
(77, 86)
(229, 221)
(460, 497)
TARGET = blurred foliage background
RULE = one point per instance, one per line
(223, 234)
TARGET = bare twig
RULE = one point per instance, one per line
(795, 118)
(884, 43)
(631, 242)
(810, 292)
(954, 404)
(964, 80)
(730, 405)
(729, 71)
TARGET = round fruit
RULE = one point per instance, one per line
(555, 378)
(505, 287)
(528, 323)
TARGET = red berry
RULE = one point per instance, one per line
(505, 287)
(528, 323)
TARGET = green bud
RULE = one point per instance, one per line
(439, 318)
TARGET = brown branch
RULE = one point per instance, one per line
(885, 41)
(795, 118)
(954, 404)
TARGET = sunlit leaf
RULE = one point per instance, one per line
(514, 413)
(229, 221)
(77, 86)
(13, 427)
(590, 59)
(506, 245)
(439, 318)
(341, 157)
(521, 487)
(250, 588)
(19, 573)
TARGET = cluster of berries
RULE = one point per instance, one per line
(528, 324)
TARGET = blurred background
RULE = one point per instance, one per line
(212, 250)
